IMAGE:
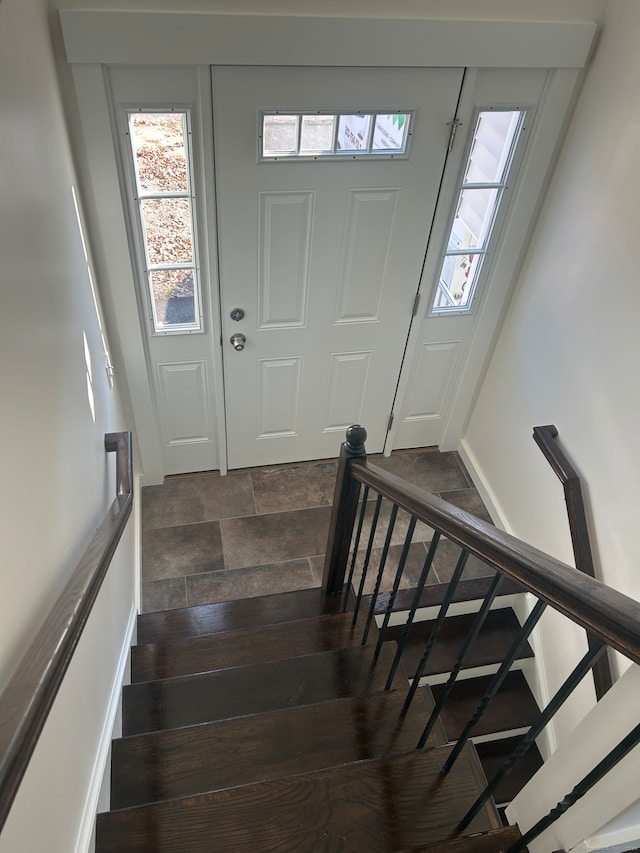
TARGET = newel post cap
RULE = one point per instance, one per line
(356, 437)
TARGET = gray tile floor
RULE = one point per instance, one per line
(208, 538)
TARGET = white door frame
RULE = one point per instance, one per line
(96, 38)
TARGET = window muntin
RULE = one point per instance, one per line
(333, 135)
(160, 149)
(478, 203)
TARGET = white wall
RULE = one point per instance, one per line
(608, 814)
(56, 804)
(56, 406)
(569, 351)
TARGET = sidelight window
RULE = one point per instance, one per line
(479, 200)
(164, 208)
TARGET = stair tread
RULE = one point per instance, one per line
(512, 708)
(494, 841)
(165, 625)
(498, 633)
(493, 754)
(469, 589)
(208, 652)
(379, 805)
(208, 757)
(244, 690)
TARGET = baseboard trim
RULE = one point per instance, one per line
(486, 493)
(85, 840)
(538, 685)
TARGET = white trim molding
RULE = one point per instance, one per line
(144, 38)
(101, 773)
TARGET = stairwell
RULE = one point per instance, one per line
(333, 720)
(261, 724)
(285, 722)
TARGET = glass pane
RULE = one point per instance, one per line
(167, 228)
(353, 132)
(474, 217)
(491, 146)
(158, 142)
(279, 135)
(316, 134)
(443, 298)
(390, 132)
(173, 297)
(457, 277)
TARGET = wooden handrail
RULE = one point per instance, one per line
(604, 611)
(610, 618)
(545, 437)
(27, 699)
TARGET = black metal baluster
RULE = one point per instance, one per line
(356, 545)
(367, 557)
(583, 787)
(383, 560)
(589, 659)
(453, 583)
(396, 585)
(499, 677)
(470, 640)
(414, 606)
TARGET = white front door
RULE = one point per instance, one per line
(322, 253)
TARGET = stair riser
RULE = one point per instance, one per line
(221, 755)
(237, 648)
(175, 702)
(170, 625)
(460, 608)
(371, 806)
(491, 647)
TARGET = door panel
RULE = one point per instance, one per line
(430, 382)
(284, 247)
(180, 385)
(323, 255)
(365, 255)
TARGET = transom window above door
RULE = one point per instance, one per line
(318, 135)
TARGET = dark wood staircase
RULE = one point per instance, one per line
(510, 713)
(262, 725)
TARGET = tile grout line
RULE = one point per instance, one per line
(253, 492)
(225, 571)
